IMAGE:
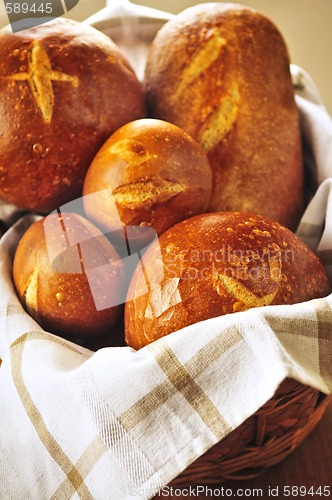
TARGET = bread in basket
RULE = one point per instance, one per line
(115, 422)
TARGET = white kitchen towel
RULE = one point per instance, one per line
(116, 423)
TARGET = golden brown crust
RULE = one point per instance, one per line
(64, 88)
(149, 173)
(56, 292)
(215, 264)
(221, 72)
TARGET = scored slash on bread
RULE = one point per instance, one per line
(147, 191)
(246, 299)
(218, 120)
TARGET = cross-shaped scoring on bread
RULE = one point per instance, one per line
(39, 76)
(65, 87)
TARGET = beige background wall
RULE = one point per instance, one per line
(305, 24)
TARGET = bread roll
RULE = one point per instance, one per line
(215, 264)
(64, 268)
(149, 173)
(221, 72)
(64, 88)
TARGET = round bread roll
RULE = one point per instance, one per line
(64, 88)
(69, 277)
(149, 173)
(221, 72)
(215, 264)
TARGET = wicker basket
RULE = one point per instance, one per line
(264, 439)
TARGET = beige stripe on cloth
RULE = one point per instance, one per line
(184, 383)
(84, 465)
(189, 371)
(324, 318)
(111, 431)
(74, 477)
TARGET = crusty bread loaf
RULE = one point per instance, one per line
(215, 264)
(221, 72)
(149, 173)
(56, 276)
(64, 88)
